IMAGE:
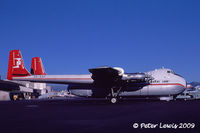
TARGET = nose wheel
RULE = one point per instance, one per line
(114, 100)
(114, 96)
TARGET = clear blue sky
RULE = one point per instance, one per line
(74, 35)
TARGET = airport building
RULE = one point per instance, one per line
(32, 90)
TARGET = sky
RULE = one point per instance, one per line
(72, 36)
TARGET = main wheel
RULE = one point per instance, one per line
(113, 100)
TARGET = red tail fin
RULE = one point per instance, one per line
(37, 66)
(16, 66)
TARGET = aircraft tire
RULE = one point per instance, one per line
(113, 100)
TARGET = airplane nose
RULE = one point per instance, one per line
(184, 83)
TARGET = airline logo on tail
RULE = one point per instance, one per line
(16, 65)
(18, 62)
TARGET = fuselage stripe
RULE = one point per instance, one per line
(170, 84)
(57, 78)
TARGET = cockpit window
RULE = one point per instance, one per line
(178, 75)
(170, 72)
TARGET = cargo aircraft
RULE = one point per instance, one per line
(105, 82)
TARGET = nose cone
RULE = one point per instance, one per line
(181, 85)
(184, 83)
(180, 88)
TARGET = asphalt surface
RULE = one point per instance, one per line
(98, 116)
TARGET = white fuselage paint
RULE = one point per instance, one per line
(164, 83)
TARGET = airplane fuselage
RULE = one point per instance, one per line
(164, 83)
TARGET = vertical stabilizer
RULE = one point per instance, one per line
(37, 67)
(16, 66)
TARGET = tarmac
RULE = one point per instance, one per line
(99, 116)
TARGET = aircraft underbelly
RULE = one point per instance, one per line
(81, 92)
(157, 90)
(149, 90)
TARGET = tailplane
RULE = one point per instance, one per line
(37, 66)
(16, 66)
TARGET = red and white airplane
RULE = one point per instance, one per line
(104, 82)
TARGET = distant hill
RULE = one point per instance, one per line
(194, 83)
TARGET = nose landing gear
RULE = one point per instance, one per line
(114, 100)
(115, 95)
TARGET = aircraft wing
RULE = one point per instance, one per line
(8, 85)
(105, 74)
(116, 73)
(115, 76)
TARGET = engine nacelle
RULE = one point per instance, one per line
(134, 76)
(120, 70)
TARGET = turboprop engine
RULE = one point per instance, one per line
(120, 70)
(132, 76)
